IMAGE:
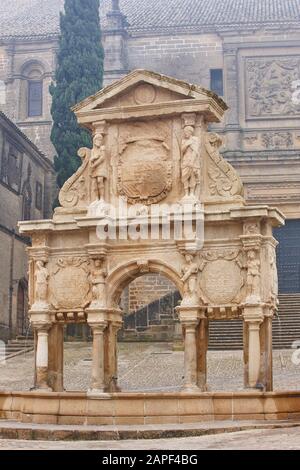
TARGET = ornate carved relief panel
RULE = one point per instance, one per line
(269, 87)
(70, 287)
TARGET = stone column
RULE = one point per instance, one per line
(56, 357)
(266, 374)
(98, 383)
(189, 318)
(202, 345)
(254, 352)
(42, 365)
(190, 356)
(246, 354)
(111, 366)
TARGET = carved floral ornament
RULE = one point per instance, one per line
(270, 84)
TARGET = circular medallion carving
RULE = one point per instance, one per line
(144, 94)
(69, 288)
(221, 281)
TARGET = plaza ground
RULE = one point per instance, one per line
(273, 439)
(150, 367)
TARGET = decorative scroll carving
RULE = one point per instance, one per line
(144, 166)
(269, 85)
(69, 284)
(75, 191)
(276, 140)
(224, 180)
(222, 279)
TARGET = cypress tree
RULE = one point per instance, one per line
(79, 74)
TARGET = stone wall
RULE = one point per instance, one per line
(187, 57)
(26, 179)
(145, 290)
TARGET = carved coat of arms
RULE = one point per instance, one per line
(144, 166)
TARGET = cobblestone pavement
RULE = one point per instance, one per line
(276, 439)
(149, 366)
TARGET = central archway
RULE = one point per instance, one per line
(128, 272)
(146, 357)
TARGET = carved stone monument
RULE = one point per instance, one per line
(152, 147)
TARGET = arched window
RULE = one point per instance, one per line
(32, 90)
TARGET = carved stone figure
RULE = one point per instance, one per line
(274, 276)
(253, 277)
(98, 165)
(189, 279)
(251, 228)
(190, 163)
(99, 274)
(41, 283)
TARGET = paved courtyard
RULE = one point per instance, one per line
(274, 439)
(149, 367)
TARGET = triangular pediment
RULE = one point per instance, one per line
(142, 87)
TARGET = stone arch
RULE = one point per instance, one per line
(123, 275)
(33, 66)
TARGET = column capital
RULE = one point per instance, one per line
(98, 327)
(97, 316)
(41, 326)
(191, 314)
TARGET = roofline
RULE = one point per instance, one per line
(180, 28)
(41, 155)
(136, 72)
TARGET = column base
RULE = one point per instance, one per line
(41, 389)
(96, 393)
(190, 388)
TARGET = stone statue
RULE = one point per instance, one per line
(274, 277)
(99, 275)
(98, 166)
(189, 279)
(41, 283)
(253, 277)
(190, 163)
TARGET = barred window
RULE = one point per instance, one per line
(216, 81)
(35, 98)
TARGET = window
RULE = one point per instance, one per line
(35, 98)
(38, 196)
(216, 81)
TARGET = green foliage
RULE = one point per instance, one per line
(79, 74)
